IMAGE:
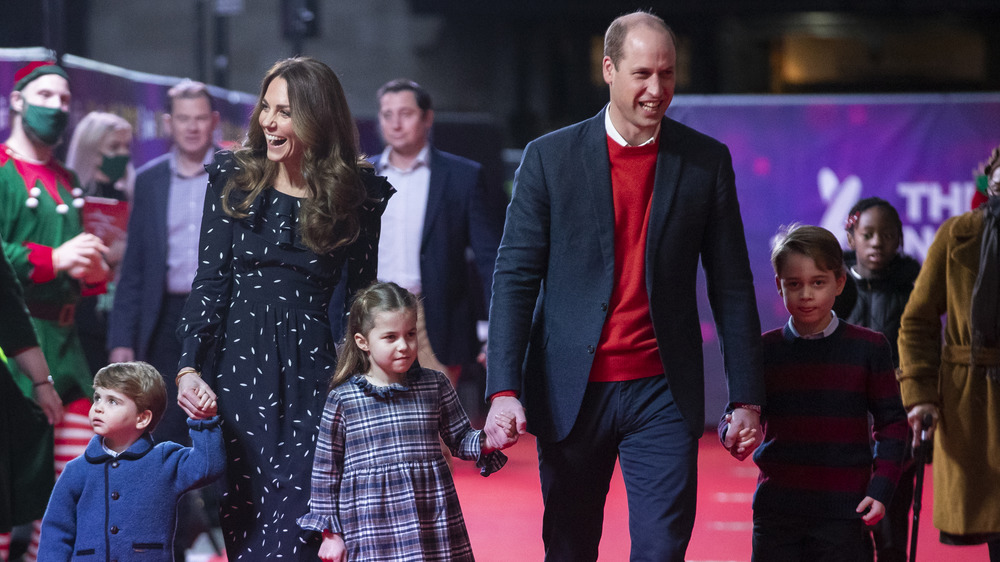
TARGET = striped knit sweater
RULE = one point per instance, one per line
(816, 458)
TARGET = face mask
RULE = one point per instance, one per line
(114, 166)
(47, 123)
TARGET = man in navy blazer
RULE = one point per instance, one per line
(159, 265)
(440, 231)
(594, 324)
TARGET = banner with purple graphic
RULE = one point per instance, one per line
(138, 97)
(808, 159)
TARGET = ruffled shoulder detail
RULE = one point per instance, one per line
(379, 191)
(276, 214)
(378, 391)
(222, 166)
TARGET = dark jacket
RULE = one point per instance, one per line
(879, 301)
(558, 253)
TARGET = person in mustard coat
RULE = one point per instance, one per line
(958, 383)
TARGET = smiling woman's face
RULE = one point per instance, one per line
(283, 145)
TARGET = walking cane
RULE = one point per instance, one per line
(921, 456)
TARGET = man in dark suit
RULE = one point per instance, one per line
(160, 263)
(594, 322)
(440, 231)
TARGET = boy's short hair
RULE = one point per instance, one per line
(141, 382)
(812, 241)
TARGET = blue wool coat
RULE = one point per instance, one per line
(125, 508)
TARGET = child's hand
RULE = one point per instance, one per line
(876, 510)
(507, 423)
(744, 443)
(332, 548)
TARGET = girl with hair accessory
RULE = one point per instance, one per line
(285, 217)
(381, 487)
(881, 278)
(957, 384)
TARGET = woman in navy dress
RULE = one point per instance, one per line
(285, 216)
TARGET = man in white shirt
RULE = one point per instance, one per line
(440, 231)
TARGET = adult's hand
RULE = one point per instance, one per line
(121, 355)
(32, 363)
(743, 418)
(195, 397)
(80, 253)
(497, 437)
(51, 404)
(915, 417)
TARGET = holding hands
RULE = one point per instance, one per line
(744, 434)
(505, 423)
(194, 395)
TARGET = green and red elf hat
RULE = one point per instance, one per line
(33, 70)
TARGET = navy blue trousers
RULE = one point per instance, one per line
(638, 424)
(810, 539)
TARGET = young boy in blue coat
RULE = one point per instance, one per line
(119, 498)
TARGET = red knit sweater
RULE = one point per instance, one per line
(627, 349)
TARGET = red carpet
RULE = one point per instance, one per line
(504, 512)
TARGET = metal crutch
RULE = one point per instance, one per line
(921, 457)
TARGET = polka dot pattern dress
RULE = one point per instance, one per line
(256, 326)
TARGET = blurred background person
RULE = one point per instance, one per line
(100, 152)
(54, 260)
(160, 262)
(442, 213)
(26, 467)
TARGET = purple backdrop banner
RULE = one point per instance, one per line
(801, 159)
(138, 97)
(808, 159)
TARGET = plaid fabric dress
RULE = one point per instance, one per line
(379, 476)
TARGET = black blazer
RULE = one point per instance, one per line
(555, 273)
(462, 214)
(142, 284)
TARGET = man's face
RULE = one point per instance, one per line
(191, 124)
(642, 85)
(404, 126)
(48, 90)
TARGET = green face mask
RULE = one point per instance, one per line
(114, 166)
(47, 123)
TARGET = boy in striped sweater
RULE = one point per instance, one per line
(819, 484)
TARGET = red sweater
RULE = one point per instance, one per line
(627, 349)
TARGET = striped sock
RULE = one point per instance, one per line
(4, 547)
(72, 435)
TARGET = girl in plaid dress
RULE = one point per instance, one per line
(381, 487)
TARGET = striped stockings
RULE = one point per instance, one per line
(71, 438)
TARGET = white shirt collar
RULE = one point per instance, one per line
(422, 159)
(819, 335)
(616, 136)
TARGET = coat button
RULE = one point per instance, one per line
(114, 529)
(114, 464)
(115, 495)
(590, 349)
(604, 306)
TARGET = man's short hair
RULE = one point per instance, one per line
(614, 37)
(405, 85)
(811, 241)
(188, 89)
(141, 382)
